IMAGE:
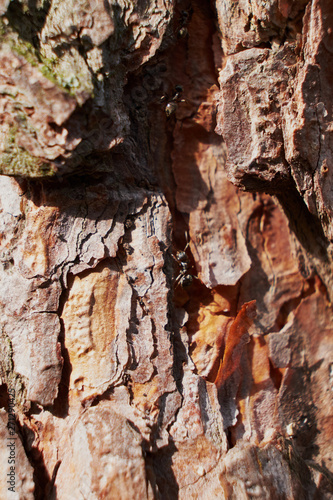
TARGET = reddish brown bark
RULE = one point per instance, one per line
(130, 131)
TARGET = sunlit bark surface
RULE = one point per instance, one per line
(132, 131)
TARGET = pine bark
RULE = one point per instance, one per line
(166, 249)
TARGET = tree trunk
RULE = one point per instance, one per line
(166, 249)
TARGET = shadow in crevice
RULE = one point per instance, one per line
(61, 403)
(4, 398)
(159, 472)
(44, 483)
(308, 231)
(275, 375)
(28, 24)
(304, 224)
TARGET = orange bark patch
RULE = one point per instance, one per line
(207, 327)
(235, 341)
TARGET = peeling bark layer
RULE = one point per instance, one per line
(146, 146)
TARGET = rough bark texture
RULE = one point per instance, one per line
(130, 131)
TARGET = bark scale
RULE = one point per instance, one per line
(130, 131)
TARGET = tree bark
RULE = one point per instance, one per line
(166, 249)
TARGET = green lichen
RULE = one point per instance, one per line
(17, 161)
(47, 69)
(47, 66)
(44, 65)
(23, 164)
(26, 50)
(8, 376)
(71, 76)
(2, 29)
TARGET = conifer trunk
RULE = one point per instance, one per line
(166, 249)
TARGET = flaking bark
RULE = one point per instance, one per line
(125, 127)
